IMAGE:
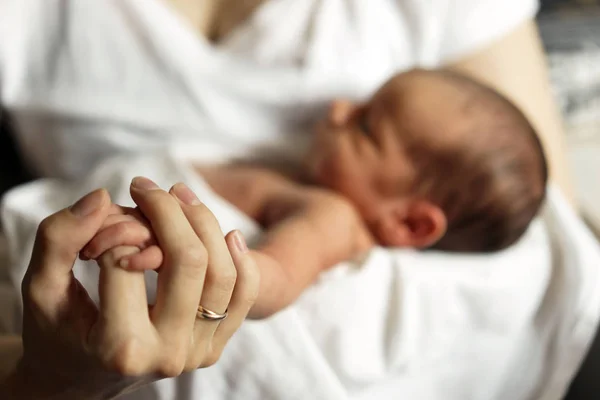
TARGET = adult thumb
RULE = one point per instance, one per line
(62, 235)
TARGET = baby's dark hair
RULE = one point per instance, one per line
(493, 183)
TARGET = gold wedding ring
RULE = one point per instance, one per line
(204, 313)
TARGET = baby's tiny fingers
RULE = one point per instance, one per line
(114, 217)
(149, 258)
(116, 209)
(126, 233)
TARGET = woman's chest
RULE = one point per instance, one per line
(117, 75)
(214, 19)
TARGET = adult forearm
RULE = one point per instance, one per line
(19, 383)
(516, 66)
(12, 385)
(11, 350)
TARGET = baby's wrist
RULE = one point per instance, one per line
(117, 256)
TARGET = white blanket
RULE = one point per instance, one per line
(402, 325)
(85, 79)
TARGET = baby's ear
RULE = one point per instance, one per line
(415, 223)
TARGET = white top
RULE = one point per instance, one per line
(85, 79)
(401, 324)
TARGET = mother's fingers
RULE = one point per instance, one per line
(181, 279)
(243, 298)
(221, 273)
(62, 235)
(123, 335)
(50, 292)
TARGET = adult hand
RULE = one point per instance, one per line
(72, 349)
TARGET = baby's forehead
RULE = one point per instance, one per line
(425, 103)
(421, 83)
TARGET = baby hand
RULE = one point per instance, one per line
(126, 226)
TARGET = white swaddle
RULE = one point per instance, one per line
(402, 324)
(87, 79)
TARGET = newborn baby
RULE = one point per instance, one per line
(432, 161)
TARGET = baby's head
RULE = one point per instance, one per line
(434, 160)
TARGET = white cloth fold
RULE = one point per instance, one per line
(400, 324)
(86, 80)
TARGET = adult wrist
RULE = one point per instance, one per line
(21, 385)
(25, 383)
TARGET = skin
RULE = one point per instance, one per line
(514, 65)
(72, 350)
(215, 19)
(296, 219)
(355, 170)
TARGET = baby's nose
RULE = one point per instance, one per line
(340, 112)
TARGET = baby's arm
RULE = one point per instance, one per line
(308, 231)
(125, 227)
(307, 235)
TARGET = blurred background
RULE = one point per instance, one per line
(570, 30)
(571, 33)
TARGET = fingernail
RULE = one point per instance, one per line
(240, 242)
(141, 183)
(184, 194)
(88, 204)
